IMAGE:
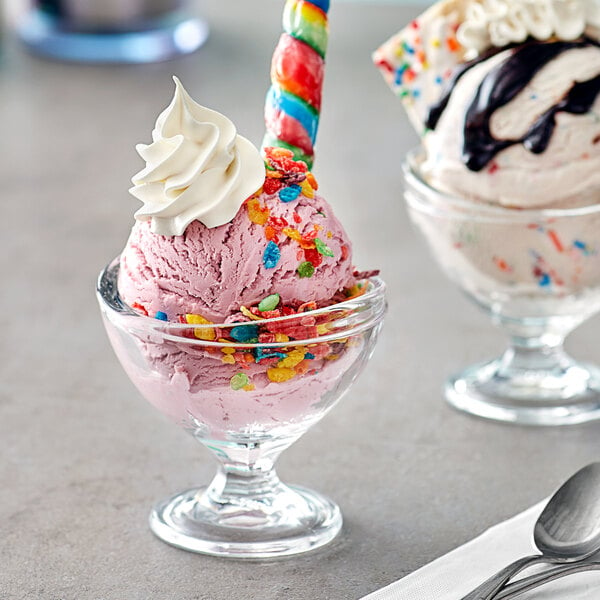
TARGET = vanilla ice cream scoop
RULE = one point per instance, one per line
(516, 124)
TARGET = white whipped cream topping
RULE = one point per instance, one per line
(498, 23)
(197, 167)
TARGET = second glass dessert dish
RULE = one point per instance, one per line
(537, 273)
(506, 186)
(246, 397)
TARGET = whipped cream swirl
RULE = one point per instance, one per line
(197, 167)
(498, 23)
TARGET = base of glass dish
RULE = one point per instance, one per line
(167, 38)
(298, 521)
(568, 396)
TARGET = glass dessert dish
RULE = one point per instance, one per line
(246, 391)
(537, 274)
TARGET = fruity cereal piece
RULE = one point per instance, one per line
(207, 334)
(256, 213)
(279, 375)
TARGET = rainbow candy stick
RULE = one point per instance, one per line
(293, 102)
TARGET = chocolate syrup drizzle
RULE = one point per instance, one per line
(436, 110)
(500, 86)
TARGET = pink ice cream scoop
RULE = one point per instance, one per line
(284, 254)
(505, 96)
(284, 240)
(230, 245)
(222, 228)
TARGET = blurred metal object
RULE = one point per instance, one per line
(113, 14)
(567, 531)
(114, 31)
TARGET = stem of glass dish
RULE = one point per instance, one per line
(536, 347)
(246, 511)
(246, 472)
(537, 368)
(229, 486)
(535, 354)
(535, 382)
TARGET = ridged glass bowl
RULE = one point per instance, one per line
(246, 391)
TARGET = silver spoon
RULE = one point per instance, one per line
(568, 530)
(533, 581)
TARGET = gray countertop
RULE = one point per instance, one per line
(83, 457)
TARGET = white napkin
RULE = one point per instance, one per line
(454, 575)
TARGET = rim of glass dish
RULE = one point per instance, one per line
(163, 328)
(451, 201)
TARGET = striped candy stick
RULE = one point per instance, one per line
(293, 102)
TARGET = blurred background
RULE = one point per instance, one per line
(83, 458)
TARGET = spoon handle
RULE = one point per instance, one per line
(489, 588)
(529, 583)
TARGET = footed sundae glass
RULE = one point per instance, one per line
(246, 391)
(537, 274)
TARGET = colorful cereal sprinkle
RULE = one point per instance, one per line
(502, 264)
(289, 179)
(555, 240)
(271, 255)
(207, 334)
(269, 303)
(245, 334)
(305, 269)
(239, 381)
(583, 248)
(141, 309)
(279, 375)
(290, 193)
(322, 248)
(256, 213)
